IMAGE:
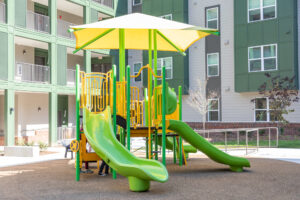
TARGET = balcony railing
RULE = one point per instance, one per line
(2, 12)
(66, 134)
(108, 3)
(63, 27)
(71, 77)
(38, 22)
(32, 73)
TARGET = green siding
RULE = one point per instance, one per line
(62, 110)
(61, 65)
(94, 15)
(179, 11)
(3, 55)
(281, 31)
(20, 13)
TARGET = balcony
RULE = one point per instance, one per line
(26, 72)
(71, 77)
(63, 27)
(108, 3)
(2, 12)
(38, 22)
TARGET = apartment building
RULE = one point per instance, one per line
(256, 36)
(37, 66)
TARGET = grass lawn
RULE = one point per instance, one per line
(281, 144)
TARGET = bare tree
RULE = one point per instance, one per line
(199, 100)
(281, 92)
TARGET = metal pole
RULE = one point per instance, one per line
(269, 138)
(174, 149)
(225, 141)
(78, 121)
(128, 107)
(246, 142)
(114, 107)
(164, 115)
(277, 137)
(238, 137)
(121, 54)
(149, 90)
(257, 140)
(180, 119)
(156, 145)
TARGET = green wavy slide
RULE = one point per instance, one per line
(99, 132)
(186, 132)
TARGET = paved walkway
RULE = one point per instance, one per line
(56, 154)
(289, 155)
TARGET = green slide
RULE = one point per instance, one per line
(169, 145)
(186, 132)
(99, 132)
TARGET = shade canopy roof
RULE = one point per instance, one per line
(171, 35)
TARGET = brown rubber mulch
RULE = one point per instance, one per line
(201, 179)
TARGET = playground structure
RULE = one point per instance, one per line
(106, 102)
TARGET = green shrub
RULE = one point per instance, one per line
(43, 146)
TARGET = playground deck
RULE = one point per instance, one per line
(266, 179)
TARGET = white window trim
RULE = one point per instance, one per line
(207, 20)
(164, 16)
(262, 58)
(160, 59)
(267, 109)
(213, 65)
(261, 10)
(141, 75)
(208, 110)
(137, 3)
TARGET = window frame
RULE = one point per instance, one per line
(261, 10)
(267, 109)
(133, 4)
(206, 18)
(160, 60)
(134, 73)
(262, 58)
(207, 66)
(208, 110)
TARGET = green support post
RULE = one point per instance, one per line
(164, 115)
(155, 85)
(121, 54)
(180, 119)
(156, 145)
(146, 119)
(114, 173)
(150, 65)
(77, 121)
(174, 149)
(128, 107)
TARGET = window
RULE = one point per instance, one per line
(169, 16)
(136, 69)
(213, 110)
(261, 10)
(263, 110)
(168, 63)
(213, 64)
(212, 18)
(136, 2)
(262, 58)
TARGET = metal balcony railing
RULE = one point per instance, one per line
(26, 72)
(2, 12)
(66, 133)
(71, 77)
(38, 22)
(108, 3)
(63, 27)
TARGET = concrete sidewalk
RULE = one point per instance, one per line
(58, 153)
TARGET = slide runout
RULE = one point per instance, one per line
(169, 145)
(186, 132)
(99, 132)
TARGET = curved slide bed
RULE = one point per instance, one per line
(99, 132)
(186, 132)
